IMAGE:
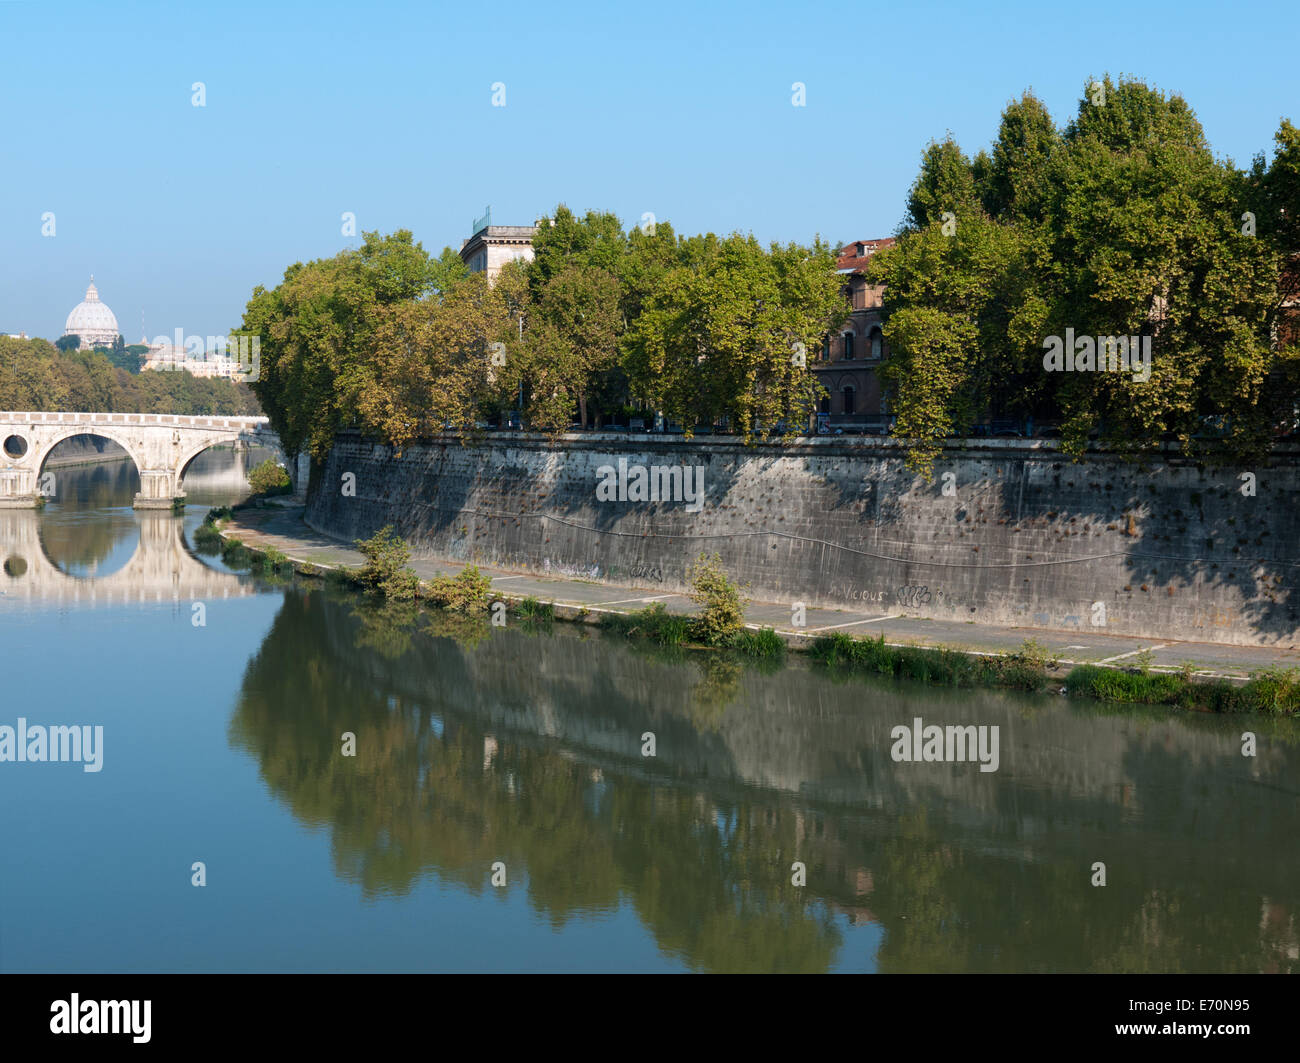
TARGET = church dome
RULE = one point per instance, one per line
(92, 320)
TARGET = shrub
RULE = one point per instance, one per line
(1114, 685)
(1274, 690)
(269, 478)
(723, 617)
(940, 666)
(273, 560)
(234, 553)
(385, 571)
(532, 609)
(1034, 654)
(765, 644)
(206, 536)
(654, 622)
(466, 591)
(341, 576)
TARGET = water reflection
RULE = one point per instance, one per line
(89, 545)
(526, 749)
(88, 527)
(523, 746)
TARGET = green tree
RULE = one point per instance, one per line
(428, 362)
(725, 332)
(946, 184)
(269, 478)
(318, 334)
(572, 342)
(1123, 224)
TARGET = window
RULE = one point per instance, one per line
(877, 344)
(824, 406)
(848, 346)
(848, 400)
(826, 350)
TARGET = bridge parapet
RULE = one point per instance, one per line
(109, 419)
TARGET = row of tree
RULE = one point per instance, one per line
(1123, 223)
(400, 344)
(35, 375)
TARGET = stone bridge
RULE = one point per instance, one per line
(160, 570)
(160, 444)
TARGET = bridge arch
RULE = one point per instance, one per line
(271, 443)
(94, 552)
(54, 439)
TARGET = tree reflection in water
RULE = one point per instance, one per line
(477, 744)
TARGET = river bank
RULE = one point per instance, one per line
(1010, 534)
(281, 528)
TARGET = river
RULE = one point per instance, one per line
(516, 754)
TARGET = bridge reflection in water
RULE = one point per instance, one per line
(91, 548)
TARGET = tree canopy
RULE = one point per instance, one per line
(35, 375)
(1123, 223)
(388, 340)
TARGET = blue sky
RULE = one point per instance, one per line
(385, 109)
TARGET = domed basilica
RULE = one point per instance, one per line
(92, 321)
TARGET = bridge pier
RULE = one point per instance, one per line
(18, 489)
(158, 489)
(299, 474)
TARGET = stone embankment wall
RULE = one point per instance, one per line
(1010, 532)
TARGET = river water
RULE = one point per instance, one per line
(517, 754)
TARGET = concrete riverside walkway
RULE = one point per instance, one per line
(282, 527)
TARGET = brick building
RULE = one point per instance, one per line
(847, 362)
(1288, 331)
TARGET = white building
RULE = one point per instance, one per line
(492, 246)
(92, 321)
(166, 356)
